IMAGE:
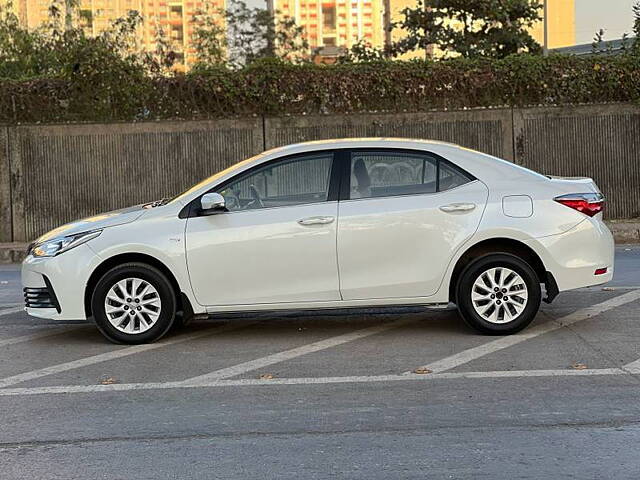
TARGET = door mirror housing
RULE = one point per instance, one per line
(212, 203)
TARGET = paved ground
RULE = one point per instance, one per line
(559, 400)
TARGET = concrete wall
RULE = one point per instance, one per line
(601, 142)
(60, 173)
(6, 232)
(53, 174)
(490, 131)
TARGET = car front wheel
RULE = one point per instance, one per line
(498, 294)
(133, 303)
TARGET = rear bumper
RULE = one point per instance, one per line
(574, 256)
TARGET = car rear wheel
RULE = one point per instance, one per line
(133, 303)
(498, 294)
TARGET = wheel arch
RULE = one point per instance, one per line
(502, 245)
(182, 300)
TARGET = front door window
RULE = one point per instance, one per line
(298, 181)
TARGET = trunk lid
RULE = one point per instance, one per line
(574, 184)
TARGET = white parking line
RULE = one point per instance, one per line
(504, 342)
(633, 367)
(35, 336)
(123, 352)
(9, 311)
(71, 389)
(10, 305)
(615, 288)
(293, 353)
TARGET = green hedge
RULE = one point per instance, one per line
(273, 88)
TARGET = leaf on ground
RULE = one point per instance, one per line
(105, 380)
(422, 370)
(579, 366)
(266, 376)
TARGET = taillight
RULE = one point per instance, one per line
(588, 203)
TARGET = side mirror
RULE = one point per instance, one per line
(212, 203)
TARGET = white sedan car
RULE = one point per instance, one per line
(330, 224)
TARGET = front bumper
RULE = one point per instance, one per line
(41, 297)
(54, 286)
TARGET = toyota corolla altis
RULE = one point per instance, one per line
(325, 225)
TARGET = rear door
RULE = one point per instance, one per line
(402, 216)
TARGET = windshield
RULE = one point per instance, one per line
(214, 177)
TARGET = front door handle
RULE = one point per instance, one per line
(458, 207)
(316, 220)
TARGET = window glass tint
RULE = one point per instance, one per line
(280, 184)
(383, 174)
(451, 177)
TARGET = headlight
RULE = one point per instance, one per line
(55, 246)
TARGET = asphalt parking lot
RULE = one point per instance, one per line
(329, 395)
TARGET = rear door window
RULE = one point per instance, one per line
(451, 177)
(392, 173)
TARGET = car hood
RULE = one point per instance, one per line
(97, 222)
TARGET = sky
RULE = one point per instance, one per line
(614, 16)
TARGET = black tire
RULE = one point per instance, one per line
(144, 272)
(466, 283)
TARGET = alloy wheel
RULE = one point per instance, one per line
(132, 305)
(499, 295)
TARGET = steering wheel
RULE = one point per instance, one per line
(255, 195)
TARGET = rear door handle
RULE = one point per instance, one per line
(316, 220)
(458, 207)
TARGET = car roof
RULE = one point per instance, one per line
(363, 142)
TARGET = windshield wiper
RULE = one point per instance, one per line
(158, 203)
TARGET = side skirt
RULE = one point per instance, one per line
(331, 311)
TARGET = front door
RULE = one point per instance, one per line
(405, 215)
(277, 242)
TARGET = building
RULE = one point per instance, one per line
(331, 25)
(608, 47)
(174, 17)
(561, 24)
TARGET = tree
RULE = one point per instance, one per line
(61, 14)
(251, 34)
(363, 51)
(163, 57)
(598, 44)
(636, 28)
(471, 28)
(209, 39)
(57, 50)
(18, 47)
